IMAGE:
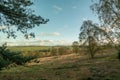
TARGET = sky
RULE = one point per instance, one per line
(66, 17)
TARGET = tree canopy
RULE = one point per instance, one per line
(108, 12)
(90, 29)
(91, 36)
(19, 14)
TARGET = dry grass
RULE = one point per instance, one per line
(66, 67)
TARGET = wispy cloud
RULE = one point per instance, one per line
(40, 43)
(50, 34)
(74, 7)
(57, 8)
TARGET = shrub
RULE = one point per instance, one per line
(7, 57)
(3, 63)
(62, 50)
(53, 51)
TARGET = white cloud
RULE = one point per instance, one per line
(56, 33)
(57, 8)
(85, 19)
(55, 42)
(50, 34)
(3, 27)
(12, 44)
(63, 42)
(40, 43)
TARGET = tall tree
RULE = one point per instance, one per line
(108, 12)
(18, 13)
(91, 36)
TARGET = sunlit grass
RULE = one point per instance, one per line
(67, 67)
(28, 48)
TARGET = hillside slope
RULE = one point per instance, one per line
(66, 67)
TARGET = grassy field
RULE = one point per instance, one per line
(66, 67)
(40, 51)
(28, 48)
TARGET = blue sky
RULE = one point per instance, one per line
(66, 17)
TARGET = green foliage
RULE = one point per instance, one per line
(7, 57)
(92, 35)
(108, 12)
(3, 63)
(18, 13)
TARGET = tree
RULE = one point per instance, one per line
(17, 13)
(75, 46)
(108, 12)
(90, 36)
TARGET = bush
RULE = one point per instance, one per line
(7, 57)
(54, 51)
(62, 50)
(3, 63)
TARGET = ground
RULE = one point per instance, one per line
(66, 67)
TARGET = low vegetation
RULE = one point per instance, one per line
(8, 57)
(67, 67)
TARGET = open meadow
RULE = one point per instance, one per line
(28, 48)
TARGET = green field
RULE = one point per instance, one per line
(40, 51)
(32, 48)
(28, 48)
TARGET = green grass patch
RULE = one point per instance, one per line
(28, 48)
